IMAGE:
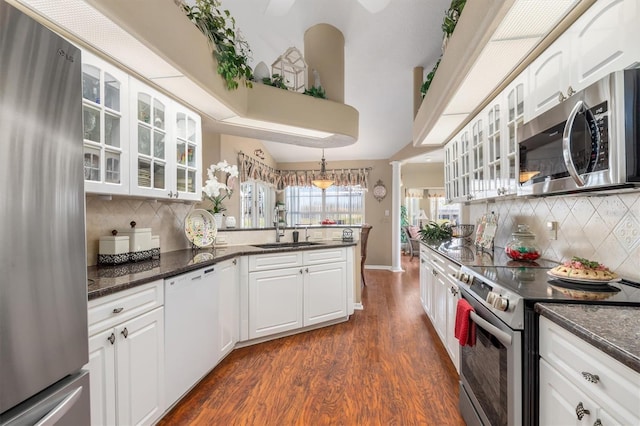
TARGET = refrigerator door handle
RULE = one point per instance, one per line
(61, 409)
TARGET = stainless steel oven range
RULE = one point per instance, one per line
(499, 374)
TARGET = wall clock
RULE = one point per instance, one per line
(379, 191)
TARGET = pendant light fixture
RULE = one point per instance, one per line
(323, 182)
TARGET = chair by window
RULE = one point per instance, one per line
(413, 237)
(364, 238)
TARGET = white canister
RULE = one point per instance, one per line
(230, 222)
(139, 238)
(113, 245)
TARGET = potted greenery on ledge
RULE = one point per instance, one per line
(230, 49)
(451, 17)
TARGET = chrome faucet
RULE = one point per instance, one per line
(279, 232)
(306, 233)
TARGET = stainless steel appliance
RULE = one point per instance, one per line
(499, 375)
(589, 142)
(43, 289)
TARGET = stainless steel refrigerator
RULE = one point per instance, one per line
(43, 274)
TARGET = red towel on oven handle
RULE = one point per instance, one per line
(465, 329)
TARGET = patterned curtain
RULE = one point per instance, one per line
(250, 168)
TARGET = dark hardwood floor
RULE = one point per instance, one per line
(385, 366)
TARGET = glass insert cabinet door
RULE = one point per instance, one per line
(166, 146)
(105, 122)
(187, 154)
(149, 138)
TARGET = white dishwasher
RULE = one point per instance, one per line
(191, 316)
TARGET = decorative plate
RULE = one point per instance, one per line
(379, 191)
(200, 228)
(582, 280)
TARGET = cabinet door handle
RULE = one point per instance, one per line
(307, 270)
(561, 97)
(177, 194)
(591, 378)
(117, 310)
(581, 411)
(235, 261)
(112, 338)
(125, 332)
(597, 423)
(453, 291)
(170, 194)
(570, 91)
(301, 270)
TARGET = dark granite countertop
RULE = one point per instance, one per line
(615, 330)
(104, 280)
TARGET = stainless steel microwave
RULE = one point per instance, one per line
(589, 142)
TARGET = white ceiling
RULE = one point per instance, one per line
(381, 50)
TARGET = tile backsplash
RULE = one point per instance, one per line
(165, 219)
(602, 228)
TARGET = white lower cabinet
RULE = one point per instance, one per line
(275, 301)
(310, 291)
(581, 385)
(452, 344)
(325, 293)
(228, 306)
(126, 357)
(561, 403)
(439, 296)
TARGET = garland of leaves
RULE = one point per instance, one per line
(231, 50)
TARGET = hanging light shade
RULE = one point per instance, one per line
(323, 182)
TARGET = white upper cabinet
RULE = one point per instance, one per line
(601, 41)
(137, 141)
(478, 184)
(458, 167)
(548, 77)
(494, 149)
(166, 146)
(105, 124)
(188, 155)
(150, 159)
(513, 119)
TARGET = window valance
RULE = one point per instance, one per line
(250, 168)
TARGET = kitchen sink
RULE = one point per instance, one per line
(285, 245)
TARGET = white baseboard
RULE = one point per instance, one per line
(383, 268)
(379, 267)
(358, 307)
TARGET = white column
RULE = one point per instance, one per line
(396, 265)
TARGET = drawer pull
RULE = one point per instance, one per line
(581, 411)
(125, 333)
(591, 378)
(117, 310)
(597, 423)
(235, 261)
(112, 338)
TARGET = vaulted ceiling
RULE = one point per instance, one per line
(381, 50)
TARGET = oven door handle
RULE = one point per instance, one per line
(502, 336)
